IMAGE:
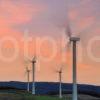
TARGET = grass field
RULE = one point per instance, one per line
(9, 96)
(25, 96)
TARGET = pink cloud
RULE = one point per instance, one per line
(20, 12)
(73, 14)
(85, 22)
(12, 14)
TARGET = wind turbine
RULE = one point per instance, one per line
(28, 79)
(73, 40)
(60, 82)
(33, 61)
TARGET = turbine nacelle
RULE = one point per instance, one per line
(74, 39)
(34, 61)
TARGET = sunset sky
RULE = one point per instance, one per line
(46, 20)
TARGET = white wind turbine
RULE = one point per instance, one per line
(60, 82)
(28, 79)
(73, 40)
(33, 61)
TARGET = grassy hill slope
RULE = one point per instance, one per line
(26, 96)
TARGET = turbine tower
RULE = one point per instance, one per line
(33, 75)
(73, 40)
(60, 83)
(28, 79)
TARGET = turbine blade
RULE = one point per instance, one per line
(26, 68)
(68, 34)
(34, 58)
(27, 60)
(62, 67)
(67, 46)
(68, 30)
(57, 71)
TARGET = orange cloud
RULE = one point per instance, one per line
(13, 14)
(19, 12)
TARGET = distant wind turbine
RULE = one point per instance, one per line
(28, 79)
(33, 61)
(60, 82)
